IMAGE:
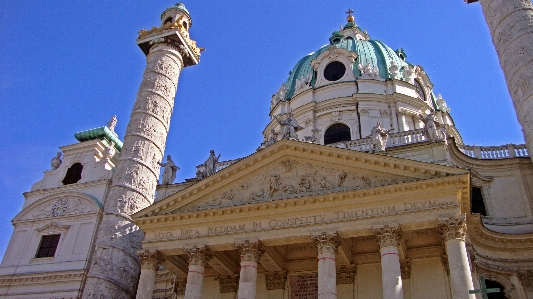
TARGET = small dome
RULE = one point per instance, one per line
(374, 52)
(178, 6)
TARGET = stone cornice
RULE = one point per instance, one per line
(482, 237)
(391, 193)
(41, 278)
(70, 187)
(284, 148)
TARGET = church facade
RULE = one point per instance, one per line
(362, 188)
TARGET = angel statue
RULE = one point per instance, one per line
(379, 137)
(289, 127)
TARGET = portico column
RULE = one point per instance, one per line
(198, 258)
(326, 245)
(388, 238)
(150, 259)
(453, 234)
(250, 253)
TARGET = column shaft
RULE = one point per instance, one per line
(250, 253)
(509, 23)
(198, 258)
(388, 238)
(453, 233)
(149, 261)
(326, 246)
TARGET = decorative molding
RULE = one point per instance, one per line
(346, 275)
(527, 279)
(327, 243)
(53, 228)
(228, 284)
(405, 267)
(199, 255)
(150, 258)
(276, 280)
(388, 236)
(46, 277)
(250, 250)
(453, 228)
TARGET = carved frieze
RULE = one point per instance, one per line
(53, 228)
(62, 206)
(289, 178)
(276, 280)
(346, 275)
(228, 284)
(199, 255)
(405, 268)
(388, 236)
(327, 242)
(453, 228)
(250, 250)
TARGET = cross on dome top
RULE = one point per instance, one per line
(350, 18)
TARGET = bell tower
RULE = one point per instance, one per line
(115, 266)
(510, 24)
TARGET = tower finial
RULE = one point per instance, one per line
(350, 18)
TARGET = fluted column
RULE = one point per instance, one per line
(150, 259)
(388, 238)
(250, 253)
(509, 24)
(453, 234)
(198, 258)
(326, 246)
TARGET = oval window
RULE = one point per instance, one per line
(334, 71)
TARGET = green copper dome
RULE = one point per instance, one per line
(179, 6)
(374, 52)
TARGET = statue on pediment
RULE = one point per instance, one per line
(379, 137)
(56, 161)
(169, 172)
(210, 163)
(432, 127)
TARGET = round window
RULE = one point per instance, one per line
(334, 71)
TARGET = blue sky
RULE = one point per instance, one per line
(68, 66)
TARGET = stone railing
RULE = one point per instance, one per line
(494, 152)
(395, 139)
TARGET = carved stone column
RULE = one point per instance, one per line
(326, 245)
(388, 238)
(250, 253)
(150, 259)
(115, 267)
(509, 24)
(453, 234)
(198, 258)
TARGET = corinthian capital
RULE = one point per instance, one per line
(150, 258)
(250, 250)
(388, 236)
(453, 228)
(327, 243)
(199, 255)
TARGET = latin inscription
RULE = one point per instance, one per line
(277, 223)
(304, 286)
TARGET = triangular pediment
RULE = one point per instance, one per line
(291, 169)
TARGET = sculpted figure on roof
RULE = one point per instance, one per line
(289, 127)
(210, 163)
(379, 137)
(169, 173)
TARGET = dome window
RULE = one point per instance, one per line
(420, 90)
(73, 174)
(337, 133)
(349, 38)
(334, 71)
(336, 40)
(185, 25)
(168, 20)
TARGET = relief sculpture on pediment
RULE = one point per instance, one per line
(290, 178)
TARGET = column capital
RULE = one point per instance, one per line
(250, 250)
(327, 242)
(199, 255)
(388, 236)
(150, 258)
(276, 280)
(453, 228)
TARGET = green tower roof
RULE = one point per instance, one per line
(102, 133)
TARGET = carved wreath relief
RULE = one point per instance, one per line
(61, 207)
(290, 178)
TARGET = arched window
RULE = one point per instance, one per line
(168, 20)
(336, 133)
(493, 284)
(420, 90)
(73, 174)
